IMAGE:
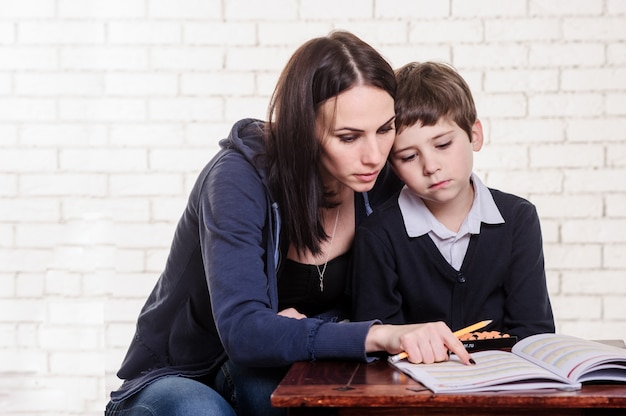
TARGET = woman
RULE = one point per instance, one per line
(279, 203)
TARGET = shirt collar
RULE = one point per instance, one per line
(418, 220)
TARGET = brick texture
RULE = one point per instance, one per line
(109, 108)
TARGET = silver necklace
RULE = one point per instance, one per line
(330, 247)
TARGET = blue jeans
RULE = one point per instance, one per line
(249, 389)
(173, 396)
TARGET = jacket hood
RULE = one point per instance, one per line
(247, 138)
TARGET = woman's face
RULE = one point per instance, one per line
(357, 142)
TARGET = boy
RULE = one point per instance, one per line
(448, 248)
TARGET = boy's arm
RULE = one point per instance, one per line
(373, 280)
(528, 310)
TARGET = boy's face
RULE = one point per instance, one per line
(436, 162)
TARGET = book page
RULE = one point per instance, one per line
(494, 370)
(574, 358)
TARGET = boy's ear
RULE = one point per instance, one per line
(477, 135)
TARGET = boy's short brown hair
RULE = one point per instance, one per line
(428, 91)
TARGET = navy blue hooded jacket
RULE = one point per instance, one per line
(217, 295)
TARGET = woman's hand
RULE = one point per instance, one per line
(424, 343)
(291, 313)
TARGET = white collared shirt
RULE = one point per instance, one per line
(418, 220)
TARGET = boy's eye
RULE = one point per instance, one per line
(408, 158)
(444, 145)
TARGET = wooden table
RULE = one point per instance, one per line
(351, 388)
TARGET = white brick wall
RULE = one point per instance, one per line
(109, 108)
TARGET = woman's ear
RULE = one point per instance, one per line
(477, 136)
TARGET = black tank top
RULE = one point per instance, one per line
(299, 286)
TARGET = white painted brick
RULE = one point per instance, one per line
(27, 160)
(185, 9)
(265, 59)
(602, 130)
(57, 338)
(8, 185)
(77, 363)
(401, 54)
(549, 230)
(155, 259)
(209, 135)
(67, 32)
(28, 58)
(578, 156)
(190, 109)
(559, 55)
(450, 31)
(144, 235)
(154, 134)
(580, 283)
(594, 231)
(103, 160)
(59, 282)
(501, 156)
(502, 105)
(490, 8)
(168, 209)
(221, 33)
(266, 10)
(614, 257)
(572, 105)
(615, 308)
(608, 28)
(572, 256)
(27, 335)
(616, 155)
(122, 210)
(102, 58)
(122, 311)
(120, 335)
(594, 329)
(101, 8)
(376, 33)
(527, 130)
(593, 79)
(82, 259)
(81, 84)
(24, 260)
(128, 261)
(218, 84)
(252, 107)
(616, 104)
(616, 54)
(568, 206)
(102, 109)
(524, 182)
(492, 56)
(500, 30)
(7, 238)
(79, 313)
(411, 9)
(595, 181)
(8, 135)
(520, 80)
(29, 210)
(565, 7)
(7, 288)
(7, 336)
(29, 285)
(45, 135)
(295, 33)
(149, 33)
(22, 360)
(7, 33)
(6, 83)
(28, 8)
(21, 311)
(145, 185)
(178, 160)
(93, 284)
(616, 7)
(120, 286)
(73, 233)
(329, 9)
(26, 109)
(616, 205)
(62, 184)
(576, 307)
(144, 84)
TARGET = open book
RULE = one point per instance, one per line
(539, 361)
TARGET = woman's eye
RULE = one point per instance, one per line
(348, 138)
(386, 129)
